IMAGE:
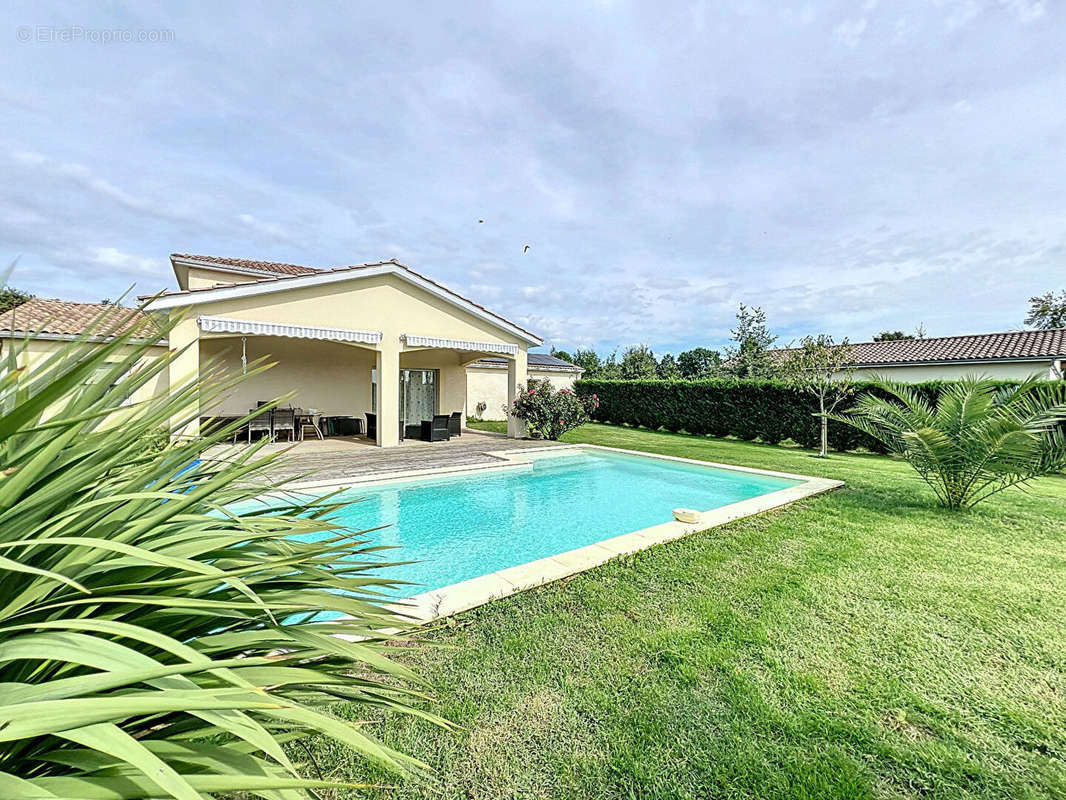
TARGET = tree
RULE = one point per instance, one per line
(1047, 310)
(611, 370)
(668, 369)
(892, 336)
(12, 298)
(978, 440)
(750, 356)
(588, 361)
(638, 364)
(699, 363)
(823, 369)
(562, 354)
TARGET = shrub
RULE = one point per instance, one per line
(549, 414)
(978, 439)
(153, 641)
(770, 411)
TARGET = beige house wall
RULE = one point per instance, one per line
(333, 377)
(37, 350)
(383, 303)
(451, 364)
(489, 385)
(199, 277)
(916, 373)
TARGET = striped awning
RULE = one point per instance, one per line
(253, 327)
(460, 344)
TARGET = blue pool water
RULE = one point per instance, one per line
(465, 526)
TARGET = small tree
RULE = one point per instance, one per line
(562, 354)
(588, 361)
(611, 370)
(549, 414)
(1047, 310)
(750, 356)
(978, 439)
(668, 369)
(823, 369)
(699, 363)
(892, 336)
(638, 364)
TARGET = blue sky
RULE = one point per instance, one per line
(848, 166)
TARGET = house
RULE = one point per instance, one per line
(1011, 355)
(486, 381)
(374, 338)
(46, 325)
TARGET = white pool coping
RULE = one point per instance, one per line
(458, 597)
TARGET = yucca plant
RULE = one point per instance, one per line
(978, 439)
(153, 643)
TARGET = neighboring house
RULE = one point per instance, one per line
(1011, 355)
(51, 323)
(371, 338)
(486, 382)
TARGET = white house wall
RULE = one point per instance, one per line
(916, 373)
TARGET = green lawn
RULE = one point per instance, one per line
(493, 425)
(858, 644)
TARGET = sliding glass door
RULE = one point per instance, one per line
(418, 395)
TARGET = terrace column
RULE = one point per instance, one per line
(516, 382)
(388, 369)
(184, 340)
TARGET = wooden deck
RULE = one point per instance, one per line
(336, 459)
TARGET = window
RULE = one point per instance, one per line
(101, 373)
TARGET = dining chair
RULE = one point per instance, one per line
(261, 423)
(285, 421)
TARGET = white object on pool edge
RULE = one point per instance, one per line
(687, 515)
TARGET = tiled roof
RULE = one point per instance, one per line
(270, 267)
(974, 347)
(64, 318)
(542, 360)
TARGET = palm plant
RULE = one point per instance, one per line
(977, 440)
(153, 642)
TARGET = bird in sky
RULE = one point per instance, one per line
(525, 249)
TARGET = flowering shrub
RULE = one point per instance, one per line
(549, 414)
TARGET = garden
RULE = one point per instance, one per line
(864, 643)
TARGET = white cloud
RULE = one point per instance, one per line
(849, 32)
(270, 230)
(126, 263)
(962, 14)
(1026, 10)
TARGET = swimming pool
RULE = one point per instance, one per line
(462, 527)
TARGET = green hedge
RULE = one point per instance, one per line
(748, 409)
